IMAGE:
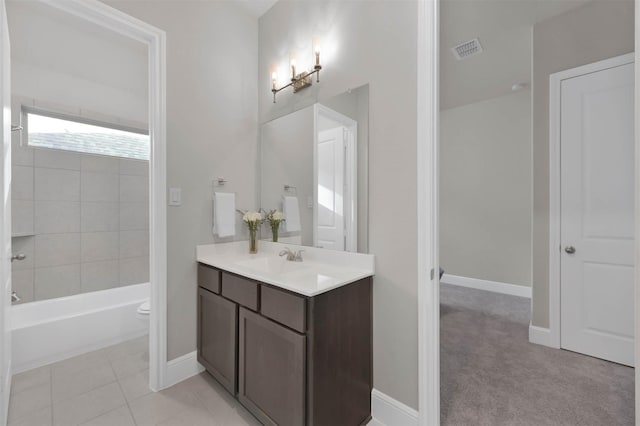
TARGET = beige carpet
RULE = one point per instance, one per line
(492, 375)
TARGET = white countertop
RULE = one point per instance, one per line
(322, 270)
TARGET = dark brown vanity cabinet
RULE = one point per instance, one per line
(271, 370)
(218, 337)
(290, 360)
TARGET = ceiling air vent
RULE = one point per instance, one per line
(466, 49)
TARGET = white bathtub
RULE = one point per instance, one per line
(51, 330)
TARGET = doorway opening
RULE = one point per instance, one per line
(102, 172)
(496, 304)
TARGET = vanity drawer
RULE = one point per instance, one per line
(285, 308)
(209, 278)
(241, 290)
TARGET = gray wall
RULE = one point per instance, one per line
(597, 31)
(485, 189)
(366, 42)
(212, 97)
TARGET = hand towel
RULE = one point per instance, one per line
(291, 212)
(224, 214)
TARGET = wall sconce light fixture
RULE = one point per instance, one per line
(298, 81)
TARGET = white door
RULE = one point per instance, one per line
(330, 230)
(597, 214)
(5, 217)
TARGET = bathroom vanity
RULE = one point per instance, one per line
(291, 340)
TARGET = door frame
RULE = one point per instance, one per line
(427, 152)
(555, 83)
(351, 163)
(114, 20)
(5, 222)
(427, 210)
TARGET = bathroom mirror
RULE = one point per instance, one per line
(314, 168)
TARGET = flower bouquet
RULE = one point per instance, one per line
(253, 221)
(275, 218)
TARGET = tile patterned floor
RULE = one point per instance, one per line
(109, 387)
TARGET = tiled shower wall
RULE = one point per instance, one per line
(82, 220)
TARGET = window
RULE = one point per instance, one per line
(56, 131)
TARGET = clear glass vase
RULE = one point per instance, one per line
(274, 233)
(253, 241)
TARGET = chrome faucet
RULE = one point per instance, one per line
(293, 256)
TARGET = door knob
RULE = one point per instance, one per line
(570, 249)
(19, 256)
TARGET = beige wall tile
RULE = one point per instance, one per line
(56, 217)
(57, 281)
(134, 270)
(134, 167)
(57, 159)
(134, 216)
(134, 189)
(96, 276)
(99, 164)
(134, 244)
(99, 216)
(22, 282)
(22, 217)
(22, 183)
(99, 246)
(99, 187)
(57, 185)
(57, 249)
(25, 245)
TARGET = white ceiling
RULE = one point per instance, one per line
(504, 28)
(256, 8)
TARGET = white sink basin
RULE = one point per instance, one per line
(272, 265)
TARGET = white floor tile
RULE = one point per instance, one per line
(196, 417)
(135, 386)
(118, 417)
(130, 347)
(78, 363)
(160, 406)
(128, 365)
(28, 379)
(81, 397)
(88, 405)
(65, 386)
(32, 399)
(41, 417)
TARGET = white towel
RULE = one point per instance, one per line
(291, 212)
(224, 215)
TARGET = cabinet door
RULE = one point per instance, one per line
(271, 381)
(218, 337)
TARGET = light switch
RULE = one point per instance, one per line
(175, 196)
(309, 202)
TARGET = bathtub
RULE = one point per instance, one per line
(52, 330)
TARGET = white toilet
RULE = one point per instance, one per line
(143, 311)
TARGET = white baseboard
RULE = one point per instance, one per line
(182, 368)
(386, 411)
(493, 286)
(541, 336)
